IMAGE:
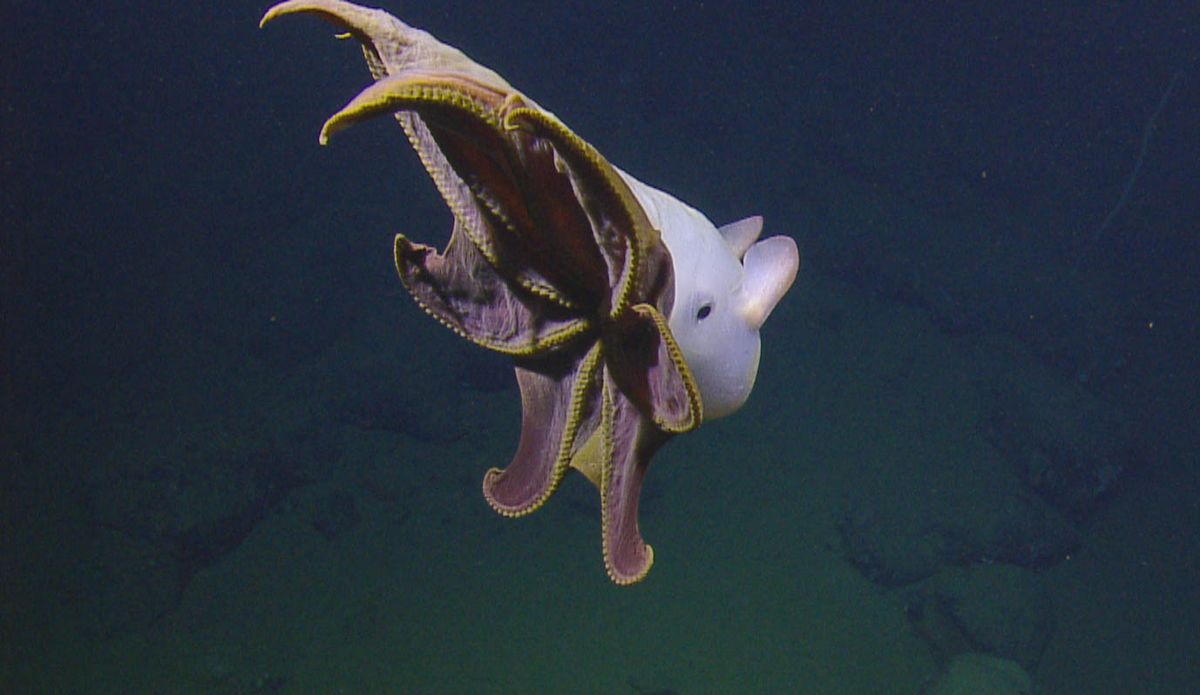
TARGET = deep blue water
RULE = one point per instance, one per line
(986, 372)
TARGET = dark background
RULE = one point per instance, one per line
(152, 150)
(159, 161)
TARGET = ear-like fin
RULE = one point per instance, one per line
(742, 234)
(771, 267)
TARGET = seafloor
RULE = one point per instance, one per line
(237, 460)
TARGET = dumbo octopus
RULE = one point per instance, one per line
(629, 317)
